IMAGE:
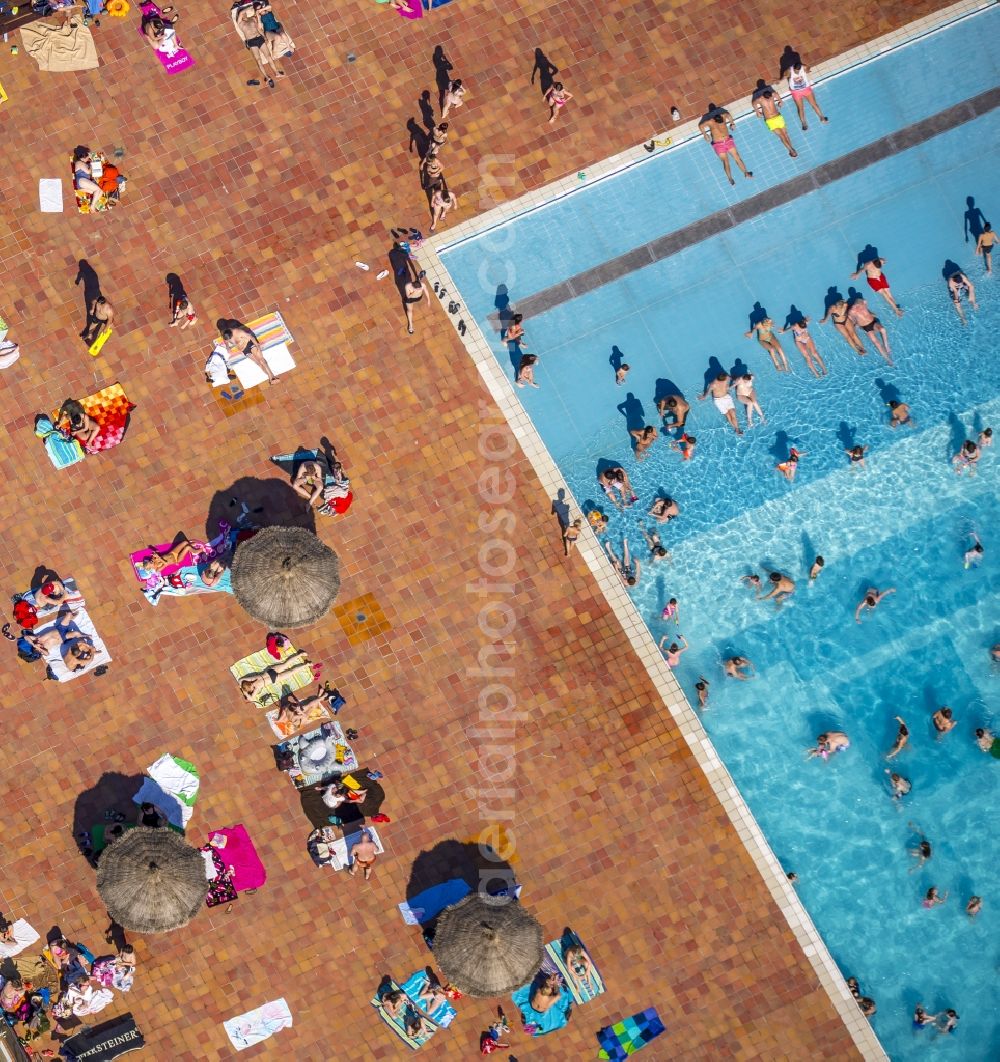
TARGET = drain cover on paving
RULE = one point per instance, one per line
(361, 619)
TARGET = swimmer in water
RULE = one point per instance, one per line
(878, 281)
(966, 458)
(791, 466)
(719, 390)
(764, 331)
(984, 246)
(817, 567)
(829, 744)
(900, 414)
(657, 551)
(644, 439)
(739, 667)
(974, 906)
(861, 317)
(673, 654)
(806, 345)
(664, 510)
(871, 600)
(946, 1022)
(673, 406)
(629, 569)
(857, 456)
(902, 737)
(838, 312)
(782, 588)
(685, 446)
(985, 439)
(943, 721)
(747, 396)
(932, 898)
(921, 853)
(702, 688)
(752, 582)
(959, 285)
(973, 555)
(671, 610)
(985, 739)
(898, 785)
(620, 373)
(921, 1018)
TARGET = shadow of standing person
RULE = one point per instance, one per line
(442, 74)
(545, 69)
(87, 276)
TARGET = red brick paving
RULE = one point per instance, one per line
(263, 199)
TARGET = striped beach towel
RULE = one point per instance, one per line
(581, 975)
(270, 330)
(258, 663)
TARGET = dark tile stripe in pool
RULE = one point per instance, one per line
(722, 220)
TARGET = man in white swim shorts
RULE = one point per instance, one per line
(719, 390)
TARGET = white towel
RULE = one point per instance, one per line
(258, 1025)
(176, 779)
(24, 936)
(50, 195)
(278, 357)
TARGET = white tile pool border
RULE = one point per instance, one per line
(688, 722)
(686, 131)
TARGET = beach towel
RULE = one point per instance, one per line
(271, 693)
(427, 905)
(60, 48)
(398, 1024)
(183, 579)
(72, 624)
(250, 374)
(443, 1013)
(270, 330)
(104, 1042)
(50, 195)
(258, 1025)
(110, 409)
(172, 786)
(24, 936)
(327, 849)
(538, 1024)
(62, 451)
(173, 58)
(629, 1035)
(273, 336)
(414, 9)
(581, 975)
(317, 755)
(240, 857)
(337, 495)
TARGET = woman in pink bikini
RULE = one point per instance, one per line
(557, 98)
(804, 341)
(878, 281)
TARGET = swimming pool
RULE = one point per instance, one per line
(900, 522)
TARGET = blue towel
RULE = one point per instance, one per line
(555, 1017)
(427, 905)
(444, 1013)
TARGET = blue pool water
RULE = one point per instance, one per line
(901, 522)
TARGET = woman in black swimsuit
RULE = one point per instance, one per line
(413, 292)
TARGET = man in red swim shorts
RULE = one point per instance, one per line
(717, 127)
(878, 281)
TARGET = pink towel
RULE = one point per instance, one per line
(173, 64)
(415, 9)
(240, 855)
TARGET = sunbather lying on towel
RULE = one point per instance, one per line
(332, 489)
(297, 712)
(251, 686)
(77, 649)
(160, 33)
(248, 20)
(242, 341)
(161, 559)
(397, 1006)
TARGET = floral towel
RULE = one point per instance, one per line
(221, 888)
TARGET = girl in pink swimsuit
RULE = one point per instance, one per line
(557, 98)
(804, 341)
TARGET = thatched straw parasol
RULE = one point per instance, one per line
(152, 880)
(285, 577)
(488, 947)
